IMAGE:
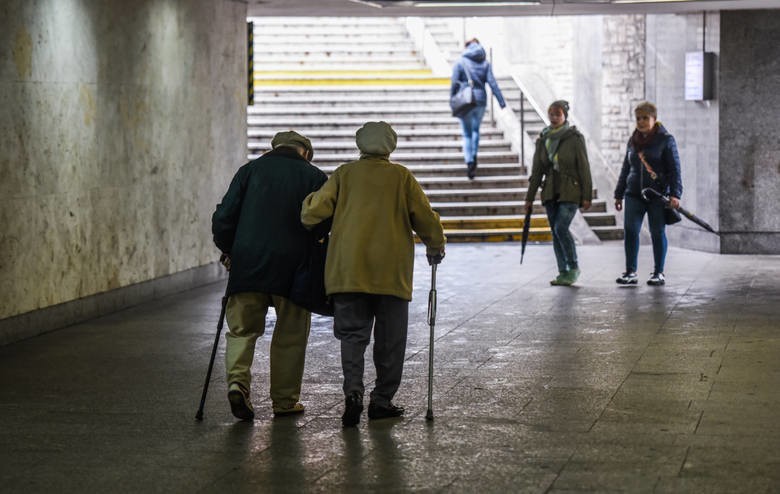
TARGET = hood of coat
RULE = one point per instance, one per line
(376, 139)
(475, 53)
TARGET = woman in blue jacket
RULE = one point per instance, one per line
(474, 66)
(651, 161)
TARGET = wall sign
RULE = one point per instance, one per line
(699, 75)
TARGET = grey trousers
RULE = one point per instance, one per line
(355, 315)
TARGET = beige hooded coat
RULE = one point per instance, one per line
(375, 205)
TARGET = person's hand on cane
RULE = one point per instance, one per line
(435, 258)
(224, 259)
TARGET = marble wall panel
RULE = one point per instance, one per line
(125, 123)
(750, 148)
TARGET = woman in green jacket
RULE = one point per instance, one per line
(562, 170)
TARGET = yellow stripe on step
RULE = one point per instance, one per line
(492, 223)
(341, 73)
(354, 82)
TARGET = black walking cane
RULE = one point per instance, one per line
(199, 414)
(432, 322)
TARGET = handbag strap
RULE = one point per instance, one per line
(649, 168)
(466, 69)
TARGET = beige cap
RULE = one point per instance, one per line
(376, 138)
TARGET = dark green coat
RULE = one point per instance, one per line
(572, 181)
(258, 222)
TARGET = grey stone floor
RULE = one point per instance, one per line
(537, 389)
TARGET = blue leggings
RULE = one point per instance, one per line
(635, 209)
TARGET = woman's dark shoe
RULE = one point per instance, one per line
(378, 412)
(471, 170)
(352, 409)
(627, 278)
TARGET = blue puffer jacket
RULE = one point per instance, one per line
(661, 154)
(481, 73)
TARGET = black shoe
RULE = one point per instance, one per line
(352, 409)
(390, 411)
(627, 278)
(240, 405)
(471, 170)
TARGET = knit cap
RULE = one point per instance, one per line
(563, 105)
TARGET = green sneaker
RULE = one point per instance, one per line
(560, 279)
(572, 275)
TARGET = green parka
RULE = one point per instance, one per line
(572, 182)
(258, 221)
(375, 204)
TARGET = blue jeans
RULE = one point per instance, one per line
(560, 215)
(469, 124)
(635, 209)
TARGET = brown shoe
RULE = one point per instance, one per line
(293, 410)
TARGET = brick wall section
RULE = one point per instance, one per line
(623, 66)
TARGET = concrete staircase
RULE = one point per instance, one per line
(325, 77)
(601, 222)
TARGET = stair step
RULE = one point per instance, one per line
(451, 170)
(432, 183)
(413, 158)
(475, 195)
(498, 235)
(400, 124)
(608, 232)
(487, 208)
(599, 219)
(487, 134)
(317, 81)
(538, 221)
(422, 145)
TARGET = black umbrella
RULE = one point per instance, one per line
(683, 211)
(524, 239)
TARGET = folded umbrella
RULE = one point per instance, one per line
(524, 238)
(654, 193)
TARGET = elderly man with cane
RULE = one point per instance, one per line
(375, 205)
(257, 226)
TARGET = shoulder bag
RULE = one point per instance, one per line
(463, 101)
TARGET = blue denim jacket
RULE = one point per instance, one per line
(662, 156)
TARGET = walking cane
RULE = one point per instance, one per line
(432, 322)
(199, 414)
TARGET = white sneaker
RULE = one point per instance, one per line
(656, 279)
(627, 279)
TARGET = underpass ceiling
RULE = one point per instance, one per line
(464, 8)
